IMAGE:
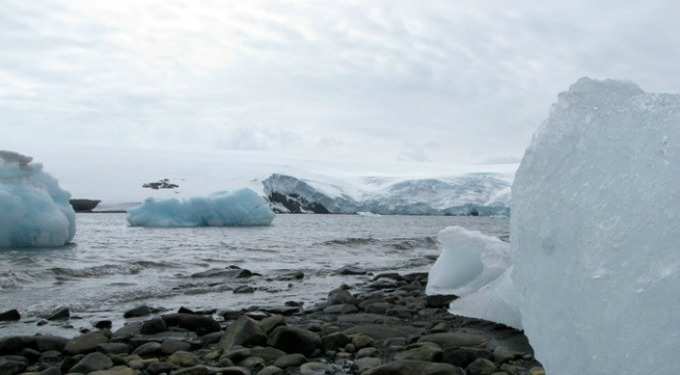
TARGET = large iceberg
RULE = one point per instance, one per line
(595, 231)
(34, 210)
(242, 207)
(595, 272)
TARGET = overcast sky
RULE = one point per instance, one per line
(431, 82)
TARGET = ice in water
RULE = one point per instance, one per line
(34, 210)
(594, 236)
(242, 207)
(475, 267)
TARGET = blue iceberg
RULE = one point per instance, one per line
(242, 207)
(34, 210)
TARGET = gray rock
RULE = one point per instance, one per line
(160, 367)
(350, 270)
(456, 339)
(228, 371)
(290, 360)
(360, 341)
(245, 332)
(269, 354)
(10, 316)
(196, 370)
(383, 331)
(150, 349)
(340, 296)
(211, 338)
(314, 368)
(86, 343)
(268, 324)
(51, 371)
(171, 345)
(365, 318)
(114, 348)
(48, 342)
(367, 352)
(92, 362)
(424, 351)
(270, 370)
(200, 324)
(462, 357)
(12, 366)
(244, 289)
(341, 309)
(138, 311)
(377, 307)
(183, 359)
(51, 358)
(119, 370)
(152, 326)
(480, 366)
(62, 313)
(254, 364)
(295, 340)
(127, 331)
(439, 300)
(367, 363)
(415, 367)
(335, 341)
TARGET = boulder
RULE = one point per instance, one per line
(200, 324)
(86, 343)
(340, 296)
(137, 312)
(295, 340)
(290, 360)
(10, 316)
(92, 362)
(415, 367)
(244, 331)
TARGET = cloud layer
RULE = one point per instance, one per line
(432, 81)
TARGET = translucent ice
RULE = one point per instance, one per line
(242, 207)
(476, 268)
(595, 232)
(34, 210)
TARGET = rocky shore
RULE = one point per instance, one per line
(387, 326)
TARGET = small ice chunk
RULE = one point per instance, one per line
(475, 267)
(242, 207)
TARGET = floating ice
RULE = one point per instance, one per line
(595, 228)
(34, 210)
(242, 207)
(476, 268)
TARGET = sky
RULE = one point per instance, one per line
(125, 91)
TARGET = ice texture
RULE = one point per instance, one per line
(476, 268)
(595, 232)
(34, 210)
(242, 207)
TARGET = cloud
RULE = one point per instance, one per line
(341, 80)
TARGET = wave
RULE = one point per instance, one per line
(427, 242)
(130, 268)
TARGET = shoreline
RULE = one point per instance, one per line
(383, 326)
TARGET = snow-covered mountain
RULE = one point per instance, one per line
(468, 194)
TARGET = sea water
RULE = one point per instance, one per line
(112, 267)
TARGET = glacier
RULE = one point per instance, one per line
(594, 272)
(34, 209)
(243, 207)
(482, 194)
